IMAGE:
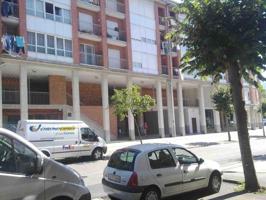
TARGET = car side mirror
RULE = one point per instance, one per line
(33, 166)
(200, 161)
(39, 164)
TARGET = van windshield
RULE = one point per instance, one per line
(123, 159)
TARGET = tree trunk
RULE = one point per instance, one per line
(228, 129)
(136, 123)
(251, 181)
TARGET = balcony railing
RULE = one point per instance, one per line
(115, 6)
(117, 63)
(38, 98)
(191, 102)
(165, 69)
(91, 2)
(13, 97)
(9, 9)
(162, 21)
(85, 27)
(116, 34)
(91, 59)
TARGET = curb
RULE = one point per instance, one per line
(232, 181)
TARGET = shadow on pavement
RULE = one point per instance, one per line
(260, 157)
(257, 137)
(202, 194)
(202, 144)
(80, 160)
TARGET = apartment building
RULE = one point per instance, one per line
(62, 59)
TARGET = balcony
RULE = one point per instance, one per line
(10, 12)
(91, 59)
(116, 37)
(115, 9)
(175, 72)
(190, 102)
(35, 98)
(117, 63)
(162, 23)
(89, 31)
(92, 5)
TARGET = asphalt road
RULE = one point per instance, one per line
(224, 152)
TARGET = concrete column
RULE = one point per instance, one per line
(203, 127)
(131, 124)
(75, 95)
(181, 120)
(171, 108)
(1, 103)
(217, 123)
(23, 93)
(160, 108)
(252, 118)
(105, 105)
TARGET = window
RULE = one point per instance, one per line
(184, 156)
(68, 48)
(39, 8)
(58, 14)
(7, 161)
(67, 16)
(49, 9)
(30, 7)
(40, 43)
(50, 45)
(123, 159)
(60, 46)
(161, 159)
(88, 135)
(31, 41)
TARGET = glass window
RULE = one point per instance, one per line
(161, 159)
(30, 7)
(39, 8)
(58, 14)
(31, 41)
(40, 43)
(123, 159)
(50, 45)
(68, 48)
(67, 16)
(24, 158)
(60, 46)
(7, 159)
(49, 9)
(184, 156)
(87, 134)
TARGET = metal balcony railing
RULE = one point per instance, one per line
(191, 102)
(91, 59)
(116, 34)
(85, 27)
(115, 6)
(13, 97)
(117, 63)
(91, 2)
(9, 9)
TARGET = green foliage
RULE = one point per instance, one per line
(220, 33)
(130, 99)
(222, 99)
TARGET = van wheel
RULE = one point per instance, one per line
(150, 194)
(97, 154)
(215, 182)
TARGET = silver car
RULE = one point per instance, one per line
(27, 174)
(154, 171)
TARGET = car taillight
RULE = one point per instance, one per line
(133, 181)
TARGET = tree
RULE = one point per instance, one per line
(223, 102)
(226, 36)
(130, 100)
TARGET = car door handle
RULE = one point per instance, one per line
(158, 175)
(185, 171)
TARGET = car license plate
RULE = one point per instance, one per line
(114, 178)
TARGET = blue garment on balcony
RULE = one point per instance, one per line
(20, 41)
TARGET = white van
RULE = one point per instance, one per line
(27, 174)
(61, 139)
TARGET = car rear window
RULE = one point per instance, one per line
(123, 159)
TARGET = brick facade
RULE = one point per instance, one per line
(57, 90)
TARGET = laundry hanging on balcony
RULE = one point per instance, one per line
(13, 45)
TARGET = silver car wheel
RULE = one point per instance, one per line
(216, 183)
(151, 195)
